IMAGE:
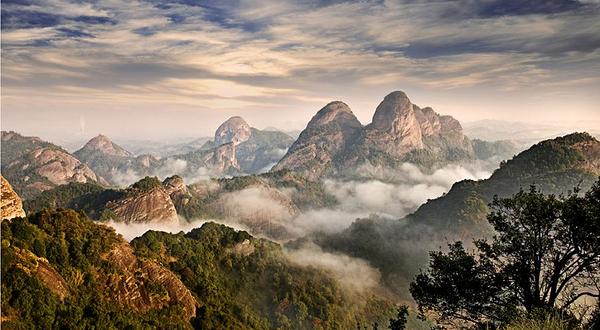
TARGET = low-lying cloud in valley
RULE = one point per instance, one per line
(387, 199)
(133, 230)
(354, 272)
(170, 167)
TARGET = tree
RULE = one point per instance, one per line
(399, 323)
(545, 255)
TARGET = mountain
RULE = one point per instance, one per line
(111, 161)
(145, 201)
(61, 270)
(325, 136)
(242, 282)
(102, 144)
(33, 165)
(255, 150)
(335, 143)
(399, 248)
(12, 207)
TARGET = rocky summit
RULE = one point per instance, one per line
(327, 134)
(12, 207)
(104, 145)
(235, 130)
(239, 148)
(335, 141)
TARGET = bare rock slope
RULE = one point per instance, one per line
(12, 207)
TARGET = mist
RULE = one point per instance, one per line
(169, 167)
(380, 195)
(129, 231)
(353, 272)
(381, 198)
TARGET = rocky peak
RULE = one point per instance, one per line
(12, 207)
(337, 112)
(235, 130)
(395, 115)
(103, 144)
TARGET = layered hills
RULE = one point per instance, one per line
(263, 203)
(236, 149)
(60, 269)
(399, 248)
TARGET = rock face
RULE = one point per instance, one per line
(12, 207)
(176, 188)
(397, 124)
(327, 134)
(33, 165)
(223, 157)
(154, 205)
(104, 145)
(235, 130)
(131, 286)
(400, 127)
(335, 141)
(61, 168)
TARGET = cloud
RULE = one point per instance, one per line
(133, 230)
(262, 56)
(356, 273)
(397, 193)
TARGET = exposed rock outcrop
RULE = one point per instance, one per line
(144, 284)
(33, 165)
(12, 207)
(61, 168)
(176, 188)
(235, 130)
(335, 141)
(222, 158)
(154, 205)
(52, 279)
(327, 133)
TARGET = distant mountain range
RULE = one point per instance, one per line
(525, 134)
(334, 144)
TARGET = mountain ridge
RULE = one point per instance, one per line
(334, 141)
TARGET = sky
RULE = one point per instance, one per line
(163, 70)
